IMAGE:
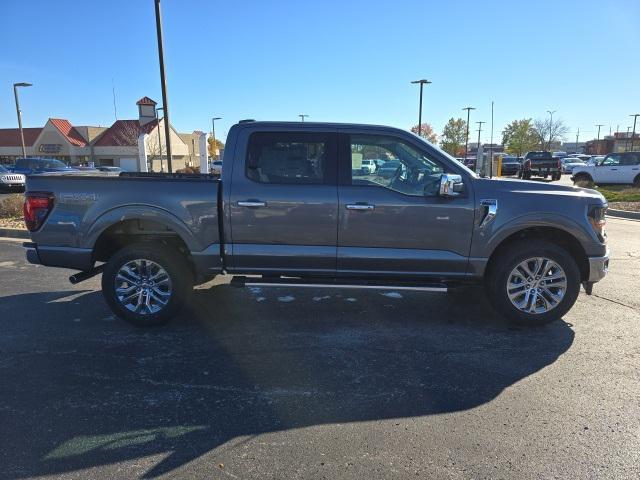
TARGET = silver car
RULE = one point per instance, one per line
(11, 182)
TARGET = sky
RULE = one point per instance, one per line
(343, 61)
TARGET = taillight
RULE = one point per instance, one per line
(37, 206)
(559, 163)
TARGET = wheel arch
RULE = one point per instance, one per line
(554, 235)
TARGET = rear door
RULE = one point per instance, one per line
(393, 222)
(629, 167)
(284, 203)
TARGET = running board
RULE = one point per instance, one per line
(241, 281)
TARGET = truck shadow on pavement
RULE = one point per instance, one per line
(83, 389)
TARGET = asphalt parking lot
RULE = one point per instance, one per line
(284, 383)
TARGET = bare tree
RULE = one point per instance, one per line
(549, 131)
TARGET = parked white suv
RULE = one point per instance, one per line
(621, 167)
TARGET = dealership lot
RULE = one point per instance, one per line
(286, 383)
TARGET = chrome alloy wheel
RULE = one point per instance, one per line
(143, 286)
(536, 285)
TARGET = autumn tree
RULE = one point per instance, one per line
(212, 151)
(549, 131)
(426, 132)
(520, 136)
(453, 137)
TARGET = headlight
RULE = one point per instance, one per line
(597, 219)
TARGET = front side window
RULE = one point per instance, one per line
(288, 158)
(611, 160)
(391, 163)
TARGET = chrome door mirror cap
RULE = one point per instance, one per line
(451, 185)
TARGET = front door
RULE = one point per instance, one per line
(392, 221)
(284, 204)
(609, 170)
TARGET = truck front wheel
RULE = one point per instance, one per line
(533, 282)
(146, 284)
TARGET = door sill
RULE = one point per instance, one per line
(242, 281)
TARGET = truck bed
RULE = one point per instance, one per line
(85, 206)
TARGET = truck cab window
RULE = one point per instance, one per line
(287, 158)
(391, 163)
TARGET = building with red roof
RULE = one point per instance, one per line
(116, 145)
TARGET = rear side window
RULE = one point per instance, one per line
(631, 159)
(291, 158)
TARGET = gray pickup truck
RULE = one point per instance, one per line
(295, 207)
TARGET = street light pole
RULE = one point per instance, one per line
(626, 140)
(213, 134)
(550, 112)
(422, 84)
(19, 113)
(633, 134)
(466, 143)
(163, 82)
(302, 116)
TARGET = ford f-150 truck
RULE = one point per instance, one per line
(291, 209)
(541, 164)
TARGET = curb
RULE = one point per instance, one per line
(623, 214)
(14, 233)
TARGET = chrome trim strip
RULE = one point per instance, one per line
(598, 267)
(366, 287)
(492, 210)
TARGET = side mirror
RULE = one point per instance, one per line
(451, 185)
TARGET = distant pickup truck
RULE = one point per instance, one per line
(290, 211)
(541, 164)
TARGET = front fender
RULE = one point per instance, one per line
(139, 212)
(486, 239)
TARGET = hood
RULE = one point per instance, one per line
(528, 187)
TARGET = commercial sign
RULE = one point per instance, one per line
(50, 148)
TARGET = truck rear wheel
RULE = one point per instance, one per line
(533, 283)
(146, 284)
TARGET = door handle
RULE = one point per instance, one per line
(252, 204)
(614, 169)
(360, 206)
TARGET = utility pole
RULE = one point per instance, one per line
(479, 131)
(577, 136)
(633, 135)
(422, 83)
(626, 140)
(550, 112)
(19, 112)
(466, 143)
(213, 134)
(598, 140)
(302, 117)
(163, 83)
(491, 144)
(478, 148)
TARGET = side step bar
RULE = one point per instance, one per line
(241, 281)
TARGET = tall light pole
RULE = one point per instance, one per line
(633, 134)
(422, 83)
(19, 113)
(577, 137)
(626, 140)
(163, 83)
(159, 138)
(302, 117)
(466, 143)
(213, 134)
(550, 112)
(598, 140)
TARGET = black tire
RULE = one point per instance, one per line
(583, 178)
(636, 181)
(499, 271)
(177, 269)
